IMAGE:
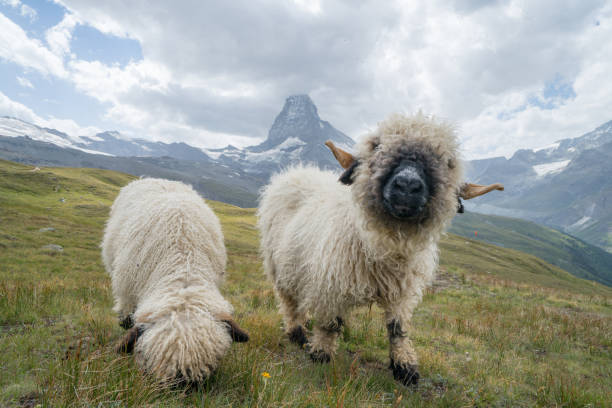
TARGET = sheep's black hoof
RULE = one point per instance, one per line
(319, 356)
(127, 322)
(297, 335)
(407, 374)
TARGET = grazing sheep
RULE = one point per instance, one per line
(328, 247)
(163, 248)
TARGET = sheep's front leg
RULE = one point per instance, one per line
(125, 314)
(294, 321)
(126, 322)
(403, 357)
(324, 340)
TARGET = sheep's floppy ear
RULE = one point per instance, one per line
(346, 160)
(469, 190)
(235, 331)
(347, 176)
(129, 340)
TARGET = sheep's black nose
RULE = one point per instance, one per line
(405, 193)
(408, 185)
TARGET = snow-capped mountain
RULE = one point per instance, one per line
(13, 127)
(109, 143)
(567, 185)
(297, 135)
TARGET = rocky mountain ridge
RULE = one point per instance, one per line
(565, 185)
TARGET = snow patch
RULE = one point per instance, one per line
(16, 128)
(91, 151)
(95, 138)
(552, 146)
(550, 168)
(213, 155)
(580, 222)
(273, 154)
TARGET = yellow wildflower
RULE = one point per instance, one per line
(265, 374)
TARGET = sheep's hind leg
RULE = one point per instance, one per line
(294, 321)
(404, 361)
(324, 341)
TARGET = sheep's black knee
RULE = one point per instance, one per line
(319, 356)
(335, 326)
(127, 322)
(405, 373)
(297, 335)
(394, 328)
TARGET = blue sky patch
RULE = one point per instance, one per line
(50, 96)
(559, 88)
(555, 92)
(48, 14)
(90, 44)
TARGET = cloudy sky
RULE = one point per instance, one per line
(509, 74)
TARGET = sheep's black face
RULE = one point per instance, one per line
(407, 189)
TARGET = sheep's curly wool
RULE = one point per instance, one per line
(328, 247)
(164, 250)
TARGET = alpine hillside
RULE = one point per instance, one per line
(566, 185)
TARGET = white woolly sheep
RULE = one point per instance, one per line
(164, 250)
(328, 247)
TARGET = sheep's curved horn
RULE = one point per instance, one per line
(344, 158)
(469, 190)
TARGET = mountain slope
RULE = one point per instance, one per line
(212, 180)
(566, 185)
(571, 254)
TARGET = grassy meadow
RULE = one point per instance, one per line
(498, 329)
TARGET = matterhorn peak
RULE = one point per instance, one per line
(299, 119)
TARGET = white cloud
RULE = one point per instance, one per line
(9, 107)
(17, 47)
(28, 11)
(68, 126)
(58, 37)
(108, 83)
(25, 82)
(24, 9)
(12, 3)
(219, 72)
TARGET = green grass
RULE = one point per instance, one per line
(499, 328)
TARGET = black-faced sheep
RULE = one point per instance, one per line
(164, 250)
(328, 247)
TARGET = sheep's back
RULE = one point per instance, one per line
(162, 230)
